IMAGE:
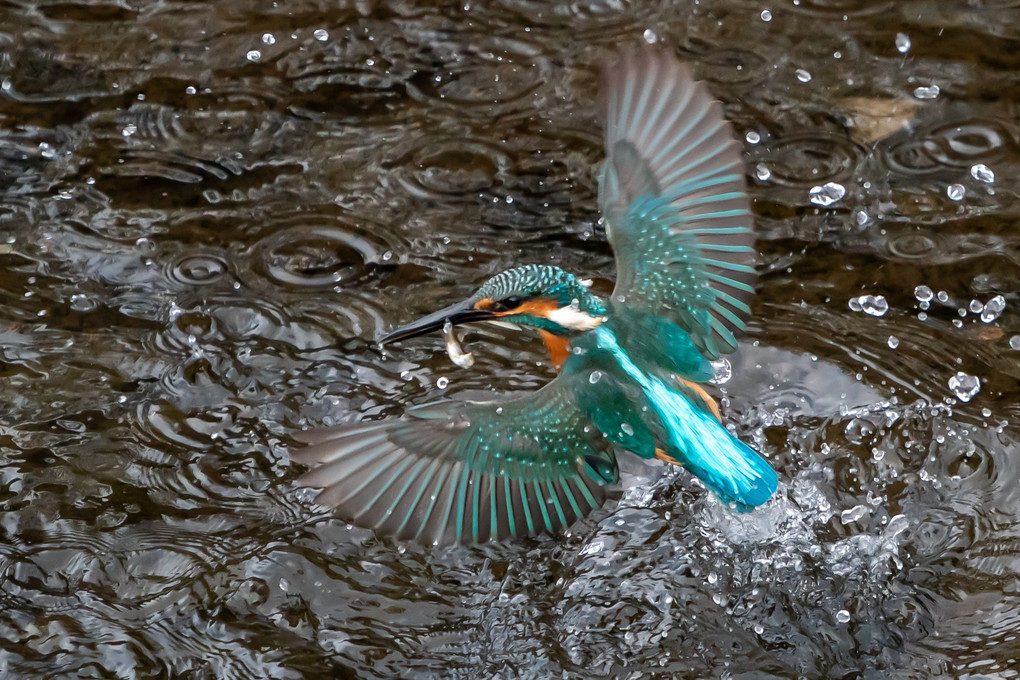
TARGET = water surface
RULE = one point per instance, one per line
(208, 211)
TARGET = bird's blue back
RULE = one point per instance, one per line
(635, 365)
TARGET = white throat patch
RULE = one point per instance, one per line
(573, 318)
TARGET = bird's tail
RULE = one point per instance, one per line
(727, 466)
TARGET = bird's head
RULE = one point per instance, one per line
(540, 296)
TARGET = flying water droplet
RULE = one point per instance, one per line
(594, 377)
(762, 172)
(1014, 342)
(894, 342)
(722, 371)
(766, 15)
(752, 137)
(853, 514)
(46, 151)
(803, 75)
(253, 55)
(627, 429)
(268, 39)
(650, 37)
(902, 43)
(993, 308)
(843, 616)
(964, 386)
(827, 194)
(872, 305)
(442, 383)
(982, 173)
(321, 34)
(923, 294)
(956, 192)
(930, 92)
(975, 306)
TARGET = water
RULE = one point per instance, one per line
(199, 249)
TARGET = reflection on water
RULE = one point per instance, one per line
(208, 211)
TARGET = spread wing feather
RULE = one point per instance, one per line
(466, 471)
(673, 194)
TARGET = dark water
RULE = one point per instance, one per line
(209, 210)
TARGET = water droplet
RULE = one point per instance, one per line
(982, 173)
(923, 294)
(993, 308)
(964, 386)
(190, 89)
(942, 296)
(321, 34)
(766, 15)
(722, 371)
(894, 342)
(129, 130)
(762, 172)
(46, 151)
(253, 55)
(649, 36)
(827, 194)
(843, 616)
(955, 192)
(930, 92)
(593, 548)
(872, 305)
(902, 43)
(268, 39)
(82, 303)
(713, 577)
(442, 382)
(594, 377)
(803, 75)
(862, 217)
(975, 306)
(1014, 342)
(752, 137)
(627, 429)
(853, 514)
(897, 525)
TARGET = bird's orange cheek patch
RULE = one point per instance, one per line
(539, 307)
(484, 303)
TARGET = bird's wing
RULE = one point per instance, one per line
(467, 471)
(673, 194)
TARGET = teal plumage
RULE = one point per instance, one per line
(677, 213)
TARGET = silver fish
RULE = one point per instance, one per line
(453, 348)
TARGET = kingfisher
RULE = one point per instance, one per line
(630, 367)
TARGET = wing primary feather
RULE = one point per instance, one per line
(696, 117)
(711, 198)
(413, 476)
(730, 266)
(568, 493)
(424, 483)
(554, 496)
(666, 126)
(540, 500)
(370, 505)
(447, 493)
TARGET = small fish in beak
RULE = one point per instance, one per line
(453, 348)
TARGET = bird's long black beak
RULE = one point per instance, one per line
(462, 312)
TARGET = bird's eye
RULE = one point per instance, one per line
(508, 303)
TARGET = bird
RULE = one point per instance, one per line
(470, 469)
